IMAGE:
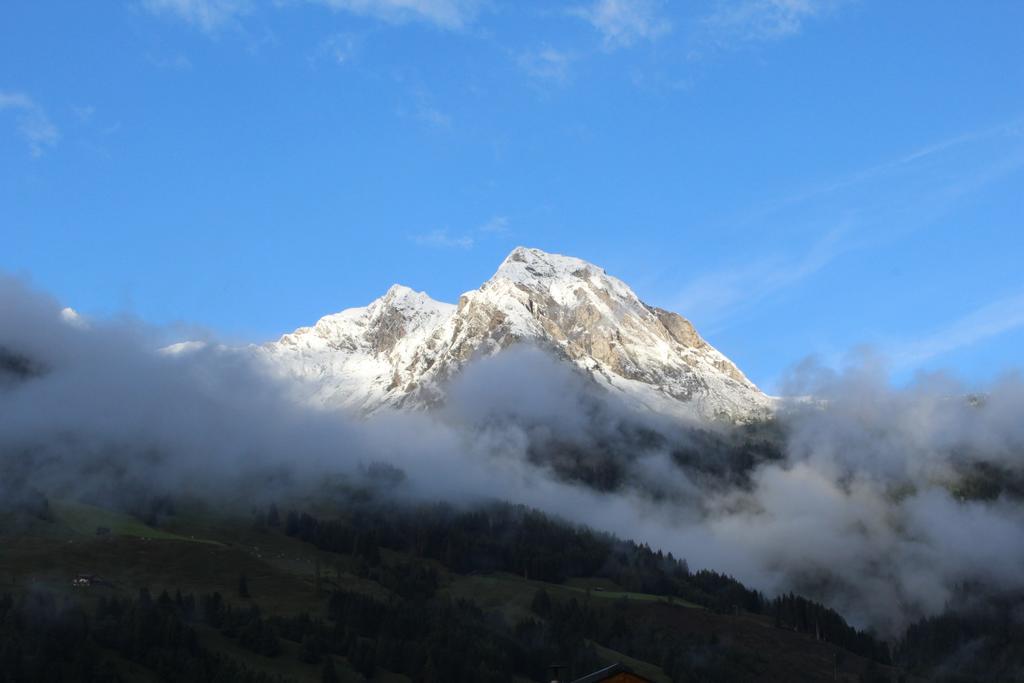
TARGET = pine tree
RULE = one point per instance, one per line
(541, 605)
(328, 674)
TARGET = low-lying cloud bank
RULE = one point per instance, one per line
(877, 501)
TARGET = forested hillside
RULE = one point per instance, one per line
(383, 592)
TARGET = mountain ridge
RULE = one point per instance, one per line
(400, 350)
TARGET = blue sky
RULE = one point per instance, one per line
(799, 177)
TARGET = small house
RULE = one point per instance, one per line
(85, 580)
(616, 673)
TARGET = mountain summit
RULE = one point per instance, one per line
(401, 349)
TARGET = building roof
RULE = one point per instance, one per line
(618, 671)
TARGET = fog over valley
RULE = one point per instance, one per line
(506, 341)
(881, 501)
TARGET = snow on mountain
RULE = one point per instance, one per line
(399, 351)
(355, 358)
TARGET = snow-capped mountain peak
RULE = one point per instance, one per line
(401, 350)
(525, 264)
(559, 275)
(394, 317)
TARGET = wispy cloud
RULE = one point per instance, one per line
(178, 62)
(1012, 130)
(420, 107)
(493, 227)
(207, 15)
(442, 238)
(84, 112)
(990, 320)
(446, 14)
(715, 296)
(763, 20)
(876, 206)
(546, 63)
(33, 124)
(622, 23)
(211, 16)
(339, 48)
(433, 116)
(496, 225)
(927, 181)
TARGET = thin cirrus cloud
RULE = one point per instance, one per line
(1008, 135)
(340, 48)
(494, 227)
(763, 20)
(207, 15)
(623, 23)
(928, 183)
(443, 238)
(33, 124)
(422, 108)
(447, 14)
(546, 63)
(432, 116)
(717, 296)
(990, 320)
(213, 15)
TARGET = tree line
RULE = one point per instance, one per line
(519, 540)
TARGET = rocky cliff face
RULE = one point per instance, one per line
(400, 350)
